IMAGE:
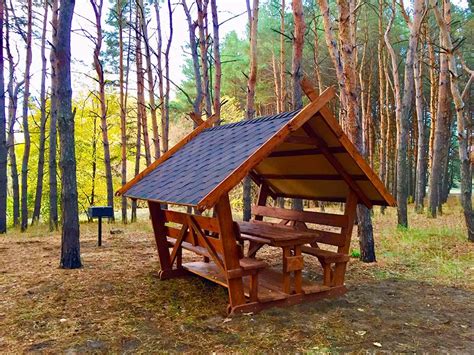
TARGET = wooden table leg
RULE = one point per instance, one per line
(286, 274)
(298, 273)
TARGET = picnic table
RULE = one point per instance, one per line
(289, 239)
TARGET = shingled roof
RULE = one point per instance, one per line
(279, 150)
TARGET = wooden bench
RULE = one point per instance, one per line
(248, 266)
(333, 263)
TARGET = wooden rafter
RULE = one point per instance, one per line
(337, 165)
(310, 177)
(302, 152)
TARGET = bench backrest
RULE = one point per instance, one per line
(303, 217)
(208, 225)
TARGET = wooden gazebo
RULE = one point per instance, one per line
(300, 154)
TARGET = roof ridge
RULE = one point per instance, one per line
(242, 122)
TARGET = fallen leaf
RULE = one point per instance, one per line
(378, 345)
(227, 320)
(361, 332)
(361, 309)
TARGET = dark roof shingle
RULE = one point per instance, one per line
(200, 165)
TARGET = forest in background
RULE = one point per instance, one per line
(402, 70)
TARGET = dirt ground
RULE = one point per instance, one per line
(418, 297)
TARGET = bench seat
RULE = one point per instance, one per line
(246, 264)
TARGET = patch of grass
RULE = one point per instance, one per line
(355, 253)
(434, 250)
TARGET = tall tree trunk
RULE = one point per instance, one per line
(404, 123)
(317, 67)
(462, 120)
(70, 246)
(3, 139)
(159, 69)
(282, 58)
(137, 163)
(441, 135)
(433, 98)
(202, 27)
(94, 160)
(335, 56)
(97, 7)
(13, 90)
(142, 116)
(26, 130)
(53, 140)
(42, 138)
(382, 99)
(353, 119)
(123, 110)
(250, 106)
(421, 164)
(396, 80)
(217, 60)
(195, 56)
(296, 68)
(165, 119)
(276, 83)
(150, 80)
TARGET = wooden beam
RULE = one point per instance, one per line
(302, 152)
(206, 124)
(242, 170)
(300, 140)
(337, 165)
(310, 177)
(230, 249)
(328, 219)
(158, 221)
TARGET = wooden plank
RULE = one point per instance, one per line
(207, 124)
(190, 237)
(208, 223)
(293, 139)
(338, 166)
(211, 272)
(278, 235)
(242, 170)
(331, 121)
(311, 177)
(328, 219)
(330, 238)
(212, 252)
(229, 249)
(179, 241)
(303, 152)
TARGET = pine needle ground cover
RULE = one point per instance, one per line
(419, 296)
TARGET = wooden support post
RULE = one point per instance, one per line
(350, 211)
(99, 242)
(286, 274)
(230, 250)
(158, 221)
(298, 273)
